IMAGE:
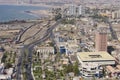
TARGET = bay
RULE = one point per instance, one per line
(17, 12)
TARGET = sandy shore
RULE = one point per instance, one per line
(36, 13)
(41, 12)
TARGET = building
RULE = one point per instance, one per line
(1, 68)
(67, 47)
(72, 58)
(74, 10)
(71, 47)
(30, 1)
(8, 75)
(113, 71)
(91, 69)
(101, 39)
(101, 58)
(65, 61)
(81, 10)
(62, 49)
(116, 14)
(91, 62)
(44, 52)
(1, 53)
(5, 77)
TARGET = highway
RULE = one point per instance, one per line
(21, 54)
(19, 63)
(35, 33)
(30, 47)
(22, 32)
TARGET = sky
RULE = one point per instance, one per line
(109, 1)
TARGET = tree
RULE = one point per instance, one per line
(75, 67)
(4, 57)
(58, 16)
(51, 44)
(66, 21)
(69, 68)
(8, 65)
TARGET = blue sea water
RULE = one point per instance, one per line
(15, 12)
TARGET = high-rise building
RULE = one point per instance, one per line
(101, 39)
(74, 10)
(30, 1)
(81, 10)
(116, 14)
(19, 1)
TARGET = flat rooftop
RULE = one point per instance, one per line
(73, 57)
(95, 56)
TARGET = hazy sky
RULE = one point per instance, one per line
(109, 1)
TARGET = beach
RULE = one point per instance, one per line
(11, 12)
(40, 13)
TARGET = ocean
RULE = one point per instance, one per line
(16, 12)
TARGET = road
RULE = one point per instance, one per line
(21, 53)
(113, 33)
(18, 39)
(19, 65)
(22, 32)
(30, 47)
(35, 33)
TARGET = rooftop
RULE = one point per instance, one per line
(73, 58)
(118, 66)
(94, 56)
(45, 48)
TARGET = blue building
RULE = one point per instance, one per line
(62, 49)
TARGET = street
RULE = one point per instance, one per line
(30, 47)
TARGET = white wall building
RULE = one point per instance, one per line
(116, 14)
(91, 69)
(91, 61)
(1, 68)
(72, 47)
(74, 10)
(81, 10)
(45, 51)
(101, 58)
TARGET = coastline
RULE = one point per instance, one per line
(34, 13)
(39, 13)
